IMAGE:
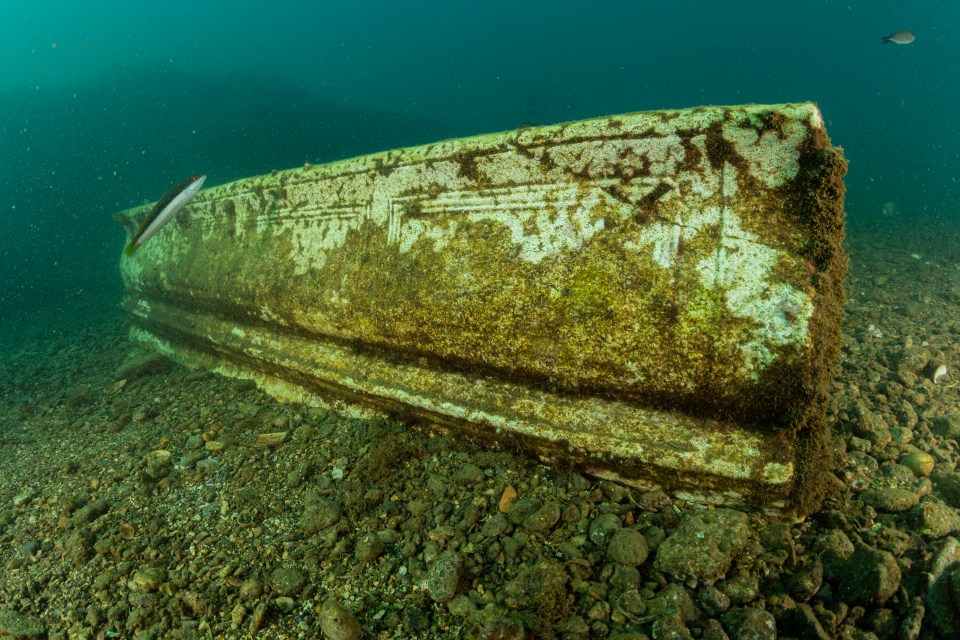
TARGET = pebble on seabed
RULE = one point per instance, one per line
(920, 462)
(337, 623)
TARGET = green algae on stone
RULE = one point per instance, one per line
(705, 545)
(148, 579)
(16, 626)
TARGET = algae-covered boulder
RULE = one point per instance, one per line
(705, 545)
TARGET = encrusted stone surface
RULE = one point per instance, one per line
(656, 295)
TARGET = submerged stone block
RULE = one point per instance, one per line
(653, 296)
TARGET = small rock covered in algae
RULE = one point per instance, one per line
(337, 623)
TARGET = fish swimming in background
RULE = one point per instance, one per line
(162, 212)
(899, 37)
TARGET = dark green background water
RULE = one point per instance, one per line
(104, 105)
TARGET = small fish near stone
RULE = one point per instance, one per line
(899, 37)
(164, 210)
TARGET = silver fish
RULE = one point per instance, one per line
(899, 37)
(162, 212)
